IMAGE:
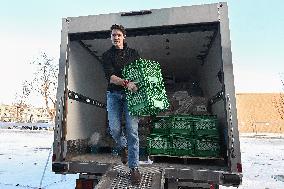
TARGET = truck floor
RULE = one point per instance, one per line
(213, 164)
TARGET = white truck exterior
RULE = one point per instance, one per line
(189, 41)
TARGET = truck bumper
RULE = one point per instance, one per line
(79, 167)
(203, 176)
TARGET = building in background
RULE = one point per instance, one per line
(24, 114)
(257, 112)
(260, 112)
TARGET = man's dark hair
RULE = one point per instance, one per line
(118, 27)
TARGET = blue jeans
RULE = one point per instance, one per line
(116, 105)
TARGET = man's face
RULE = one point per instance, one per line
(117, 38)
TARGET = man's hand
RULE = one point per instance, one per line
(132, 87)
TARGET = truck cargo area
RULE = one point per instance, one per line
(199, 148)
(191, 63)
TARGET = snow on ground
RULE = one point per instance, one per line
(24, 154)
(263, 161)
(23, 157)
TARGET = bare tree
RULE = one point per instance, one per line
(278, 101)
(45, 81)
(279, 104)
(21, 100)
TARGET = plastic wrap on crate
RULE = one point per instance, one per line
(192, 105)
(151, 98)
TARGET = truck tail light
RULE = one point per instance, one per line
(84, 184)
(239, 167)
(212, 186)
(53, 157)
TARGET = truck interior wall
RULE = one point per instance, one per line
(209, 70)
(86, 77)
(209, 81)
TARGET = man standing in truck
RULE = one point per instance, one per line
(113, 61)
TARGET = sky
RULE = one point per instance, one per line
(30, 27)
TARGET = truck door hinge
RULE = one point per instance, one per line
(231, 126)
(219, 96)
(81, 98)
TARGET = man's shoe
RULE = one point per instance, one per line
(135, 176)
(124, 155)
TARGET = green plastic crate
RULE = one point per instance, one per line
(207, 148)
(206, 125)
(143, 72)
(151, 98)
(136, 68)
(152, 107)
(145, 96)
(158, 144)
(161, 124)
(182, 145)
(183, 124)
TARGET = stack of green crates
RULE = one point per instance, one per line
(207, 139)
(186, 135)
(151, 98)
(173, 144)
(174, 124)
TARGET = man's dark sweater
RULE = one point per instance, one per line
(114, 60)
